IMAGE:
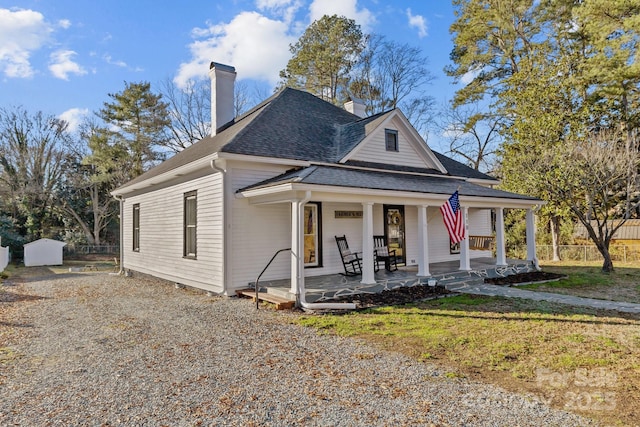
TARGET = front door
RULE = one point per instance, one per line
(394, 230)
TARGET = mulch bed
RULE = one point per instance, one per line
(533, 276)
(405, 295)
(402, 295)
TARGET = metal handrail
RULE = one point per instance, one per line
(265, 269)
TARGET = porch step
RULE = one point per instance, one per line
(280, 303)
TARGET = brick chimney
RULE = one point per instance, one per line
(223, 79)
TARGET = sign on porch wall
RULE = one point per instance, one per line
(348, 214)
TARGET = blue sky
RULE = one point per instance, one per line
(63, 57)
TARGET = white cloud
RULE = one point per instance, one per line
(347, 8)
(61, 64)
(256, 45)
(74, 117)
(64, 23)
(21, 33)
(109, 60)
(419, 22)
(285, 9)
(272, 4)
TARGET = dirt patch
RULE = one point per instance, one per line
(531, 277)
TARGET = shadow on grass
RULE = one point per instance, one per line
(590, 282)
(511, 309)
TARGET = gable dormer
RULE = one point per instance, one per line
(391, 139)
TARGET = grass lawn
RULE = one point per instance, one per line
(577, 359)
(588, 280)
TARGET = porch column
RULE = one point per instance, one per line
(465, 261)
(297, 245)
(423, 241)
(531, 237)
(368, 277)
(501, 258)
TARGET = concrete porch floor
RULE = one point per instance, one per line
(321, 288)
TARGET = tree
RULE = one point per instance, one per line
(85, 193)
(473, 135)
(491, 38)
(137, 121)
(334, 60)
(323, 57)
(189, 112)
(33, 162)
(590, 176)
(557, 72)
(393, 75)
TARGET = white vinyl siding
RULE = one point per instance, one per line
(257, 231)
(162, 233)
(375, 149)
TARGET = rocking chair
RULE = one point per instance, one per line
(384, 254)
(350, 260)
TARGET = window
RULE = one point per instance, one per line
(312, 237)
(391, 139)
(136, 227)
(190, 223)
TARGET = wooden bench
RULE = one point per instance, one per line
(481, 243)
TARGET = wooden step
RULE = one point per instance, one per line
(280, 303)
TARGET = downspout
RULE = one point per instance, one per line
(535, 210)
(301, 289)
(120, 199)
(223, 173)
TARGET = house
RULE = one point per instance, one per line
(43, 252)
(294, 172)
(628, 234)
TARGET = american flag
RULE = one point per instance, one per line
(452, 215)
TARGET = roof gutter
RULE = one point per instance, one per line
(410, 197)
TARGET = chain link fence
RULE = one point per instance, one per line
(84, 250)
(623, 253)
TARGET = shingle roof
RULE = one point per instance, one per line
(295, 125)
(367, 179)
(456, 168)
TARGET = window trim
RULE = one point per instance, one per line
(387, 146)
(190, 197)
(136, 228)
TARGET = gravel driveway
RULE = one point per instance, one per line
(95, 349)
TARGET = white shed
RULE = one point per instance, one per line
(43, 252)
(4, 257)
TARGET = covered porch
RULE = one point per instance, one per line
(330, 286)
(321, 210)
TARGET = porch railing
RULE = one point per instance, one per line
(262, 272)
